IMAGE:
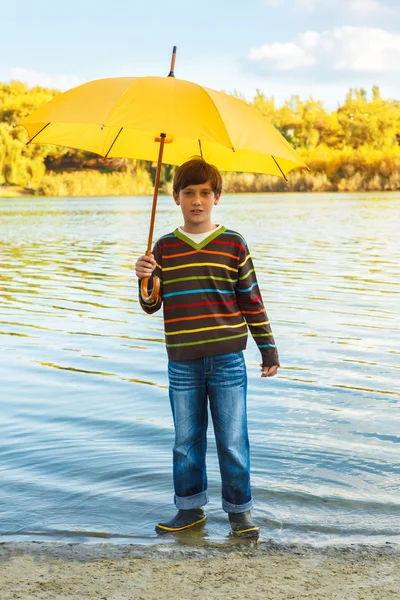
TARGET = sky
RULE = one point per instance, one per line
(311, 48)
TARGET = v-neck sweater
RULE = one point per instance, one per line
(199, 237)
(210, 296)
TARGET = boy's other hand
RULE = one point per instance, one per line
(145, 266)
(269, 371)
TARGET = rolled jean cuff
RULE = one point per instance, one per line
(237, 508)
(188, 502)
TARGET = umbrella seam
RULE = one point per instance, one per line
(219, 115)
(120, 98)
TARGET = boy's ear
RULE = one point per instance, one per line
(176, 198)
(216, 198)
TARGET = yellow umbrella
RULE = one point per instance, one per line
(162, 119)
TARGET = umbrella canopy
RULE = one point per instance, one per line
(124, 117)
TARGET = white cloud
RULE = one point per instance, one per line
(283, 56)
(32, 78)
(355, 49)
(367, 8)
(358, 8)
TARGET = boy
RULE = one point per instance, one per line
(209, 291)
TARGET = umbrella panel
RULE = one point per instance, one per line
(114, 142)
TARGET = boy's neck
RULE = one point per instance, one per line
(201, 228)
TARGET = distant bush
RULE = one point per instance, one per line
(93, 183)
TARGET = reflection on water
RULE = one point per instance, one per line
(87, 435)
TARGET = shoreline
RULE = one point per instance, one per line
(333, 193)
(179, 571)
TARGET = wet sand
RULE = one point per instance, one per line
(40, 570)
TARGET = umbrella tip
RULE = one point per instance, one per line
(171, 72)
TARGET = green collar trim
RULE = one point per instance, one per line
(210, 238)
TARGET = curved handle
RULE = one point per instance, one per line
(144, 290)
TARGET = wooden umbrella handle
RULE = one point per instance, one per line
(144, 289)
(144, 292)
(156, 280)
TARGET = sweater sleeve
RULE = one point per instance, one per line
(250, 303)
(153, 307)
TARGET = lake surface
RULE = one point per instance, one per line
(86, 431)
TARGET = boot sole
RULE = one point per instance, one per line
(164, 528)
(252, 532)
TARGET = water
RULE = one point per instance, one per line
(86, 432)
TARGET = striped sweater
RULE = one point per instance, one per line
(210, 295)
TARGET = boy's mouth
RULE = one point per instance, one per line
(196, 211)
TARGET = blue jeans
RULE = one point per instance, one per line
(223, 380)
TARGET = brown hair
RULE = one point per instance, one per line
(195, 171)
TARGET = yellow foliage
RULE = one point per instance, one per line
(93, 183)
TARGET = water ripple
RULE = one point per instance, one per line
(86, 427)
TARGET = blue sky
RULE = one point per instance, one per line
(315, 48)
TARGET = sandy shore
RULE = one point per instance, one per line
(179, 572)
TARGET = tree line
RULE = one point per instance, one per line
(355, 147)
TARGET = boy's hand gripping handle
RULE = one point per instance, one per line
(149, 299)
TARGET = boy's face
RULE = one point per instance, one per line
(196, 202)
